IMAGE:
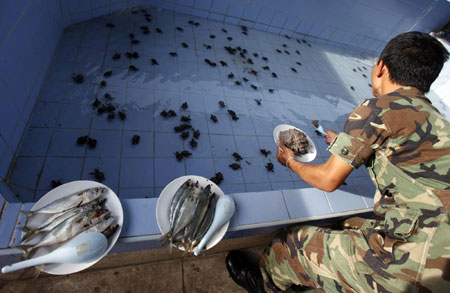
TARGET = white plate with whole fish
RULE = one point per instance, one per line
(297, 140)
(66, 211)
(185, 210)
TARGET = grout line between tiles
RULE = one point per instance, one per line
(12, 239)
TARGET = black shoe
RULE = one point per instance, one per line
(244, 272)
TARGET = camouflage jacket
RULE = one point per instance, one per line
(404, 142)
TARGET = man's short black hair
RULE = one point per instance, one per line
(414, 59)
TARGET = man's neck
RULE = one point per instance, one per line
(389, 88)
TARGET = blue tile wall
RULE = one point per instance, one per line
(63, 111)
(29, 34)
(324, 20)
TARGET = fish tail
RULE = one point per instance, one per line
(28, 229)
(37, 270)
(166, 239)
(27, 213)
(29, 236)
(27, 249)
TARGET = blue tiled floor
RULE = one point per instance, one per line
(63, 112)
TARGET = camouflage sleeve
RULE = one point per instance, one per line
(364, 131)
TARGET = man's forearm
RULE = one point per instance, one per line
(324, 176)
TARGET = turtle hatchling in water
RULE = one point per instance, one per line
(136, 139)
(99, 176)
(235, 166)
(270, 167)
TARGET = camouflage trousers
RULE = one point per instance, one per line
(346, 261)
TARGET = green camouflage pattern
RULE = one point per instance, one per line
(404, 142)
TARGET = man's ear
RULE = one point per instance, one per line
(380, 68)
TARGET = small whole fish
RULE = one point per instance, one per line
(102, 225)
(190, 215)
(186, 212)
(180, 195)
(68, 202)
(56, 219)
(200, 212)
(69, 228)
(206, 222)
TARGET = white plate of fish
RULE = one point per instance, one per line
(69, 210)
(182, 221)
(297, 140)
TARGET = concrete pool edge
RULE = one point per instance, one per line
(140, 233)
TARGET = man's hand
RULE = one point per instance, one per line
(331, 135)
(283, 153)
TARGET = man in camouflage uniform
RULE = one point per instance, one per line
(404, 142)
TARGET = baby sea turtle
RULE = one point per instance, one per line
(92, 143)
(237, 156)
(96, 103)
(265, 152)
(78, 78)
(184, 105)
(270, 167)
(82, 140)
(218, 178)
(122, 115)
(99, 176)
(196, 133)
(182, 127)
(193, 143)
(136, 139)
(233, 115)
(171, 113)
(184, 134)
(56, 183)
(213, 118)
(235, 166)
(185, 118)
(183, 154)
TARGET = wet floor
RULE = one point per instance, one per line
(143, 73)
